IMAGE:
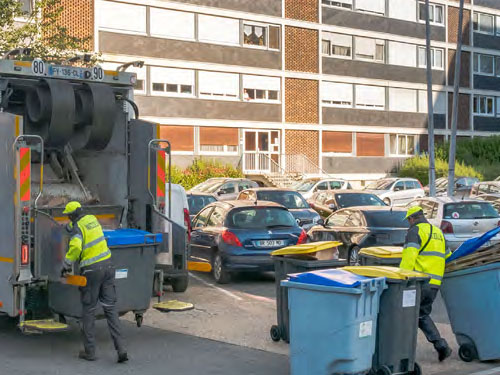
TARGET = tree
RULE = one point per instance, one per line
(41, 31)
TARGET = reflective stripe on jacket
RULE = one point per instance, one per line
(87, 243)
(431, 260)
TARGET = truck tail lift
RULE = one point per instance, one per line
(71, 133)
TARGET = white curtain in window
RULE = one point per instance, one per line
(438, 99)
(219, 83)
(365, 46)
(402, 100)
(377, 6)
(261, 82)
(171, 23)
(370, 95)
(402, 54)
(121, 17)
(218, 29)
(403, 10)
(338, 39)
(172, 75)
(339, 92)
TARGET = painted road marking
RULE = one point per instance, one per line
(224, 291)
(492, 371)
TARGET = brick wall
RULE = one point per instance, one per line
(305, 10)
(301, 101)
(304, 142)
(465, 66)
(78, 17)
(464, 111)
(453, 25)
(301, 49)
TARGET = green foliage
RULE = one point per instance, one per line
(201, 170)
(418, 167)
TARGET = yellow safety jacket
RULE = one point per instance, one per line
(424, 252)
(87, 244)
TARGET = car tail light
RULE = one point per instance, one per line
(311, 204)
(187, 223)
(302, 238)
(25, 258)
(230, 238)
(446, 227)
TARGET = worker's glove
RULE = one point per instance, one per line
(66, 269)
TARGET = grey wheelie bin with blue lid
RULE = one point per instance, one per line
(333, 321)
(133, 253)
(472, 298)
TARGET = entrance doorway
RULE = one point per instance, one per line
(261, 151)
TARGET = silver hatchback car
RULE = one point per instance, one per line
(396, 191)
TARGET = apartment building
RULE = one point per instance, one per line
(300, 85)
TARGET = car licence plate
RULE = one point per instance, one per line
(270, 243)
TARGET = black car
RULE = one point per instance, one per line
(325, 203)
(197, 201)
(295, 203)
(360, 227)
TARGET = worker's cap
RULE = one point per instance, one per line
(415, 210)
(72, 207)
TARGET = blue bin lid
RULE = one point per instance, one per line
(329, 277)
(123, 237)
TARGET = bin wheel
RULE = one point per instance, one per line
(138, 320)
(417, 370)
(275, 333)
(219, 271)
(467, 352)
(384, 370)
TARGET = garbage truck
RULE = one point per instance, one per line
(73, 133)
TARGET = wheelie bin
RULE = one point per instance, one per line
(396, 342)
(294, 259)
(381, 256)
(333, 320)
(472, 298)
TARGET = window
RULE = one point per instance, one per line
(372, 97)
(370, 49)
(337, 45)
(436, 13)
(483, 105)
(261, 35)
(121, 17)
(172, 82)
(439, 102)
(403, 10)
(338, 219)
(403, 54)
(498, 106)
(26, 6)
(335, 185)
(202, 218)
(337, 94)
(484, 64)
(217, 218)
(172, 24)
(260, 88)
(402, 145)
(402, 100)
(429, 208)
(219, 85)
(218, 30)
(437, 58)
(337, 142)
(215, 140)
(484, 23)
(497, 66)
(373, 6)
(338, 3)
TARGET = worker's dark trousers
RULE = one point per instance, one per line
(425, 322)
(100, 288)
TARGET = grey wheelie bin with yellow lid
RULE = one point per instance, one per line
(381, 256)
(295, 259)
(397, 328)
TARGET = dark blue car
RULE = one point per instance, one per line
(239, 236)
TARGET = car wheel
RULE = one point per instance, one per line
(387, 201)
(353, 256)
(219, 272)
(180, 284)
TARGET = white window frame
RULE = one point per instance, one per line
(369, 107)
(214, 96)
(166, 36)
(264, 25)
(338, 4)
(398, 153)
(221, 153)
(402, 91)
(478, 71)
(177, 94)
(330, 103)
(266, 91)
(202, 39)
(433, 7)
(480, 98)
(477, 15)
(374, 60)
(423, 64)
(330, 49)
(100, 12)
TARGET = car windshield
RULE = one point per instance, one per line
(206, 183)
(469, 211)
(211, 188)
(357, 199)
(380, 185)
(260, 218)
(197, 202)
(289, 199)
(305, 185)
(386, 219)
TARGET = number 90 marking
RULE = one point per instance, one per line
(97, 73)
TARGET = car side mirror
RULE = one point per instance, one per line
(222, 191)
(321, 222)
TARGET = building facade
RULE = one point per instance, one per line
(310, 86)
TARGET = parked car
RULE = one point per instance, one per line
(396, 191)
(485, 188)
(309, 186)
(494, 199)
(462, 188)
(197, 201)
(224, 188)
(305, 216)
(239, 236)
(360, 227)
(325, 203)
(459, 219)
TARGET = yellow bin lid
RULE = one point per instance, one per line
(307, 248)
(383, 251)
(393, 273)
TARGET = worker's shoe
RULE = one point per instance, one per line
(444, 353)
(122, 357)
(86, 356)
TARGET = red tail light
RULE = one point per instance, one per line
(446, 227)
(302, 237)
(187, 223)
(25, 256)
(230, 238)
